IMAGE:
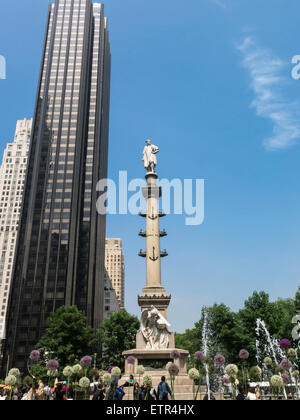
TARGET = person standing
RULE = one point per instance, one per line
(99, 394)
(119, 394)
(251, 395)
(143, 391)
(163, 390)
(241, 394)
(136, 391)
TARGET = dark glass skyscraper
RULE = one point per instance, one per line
(61, 243)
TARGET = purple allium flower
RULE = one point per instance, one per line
(285, 378)
(86, 361)
(199, 356)
(219, 360)
(244, 354)
(52, 365)
(110, 369)
(35, 356)
(173, 369)
(175, 354)
(285, 364)
(285, 343)
(131, 360)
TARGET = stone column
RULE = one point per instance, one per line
(153, 266)
(154, 293)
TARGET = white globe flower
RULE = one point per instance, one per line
(116, 372)
(147, 379)
(77, 370)
(52, 373)
(11, 380)
(292, 353)
(277, 381)
(194, 374)
(107, 377)
(14, 372)
(168, 365)
(68, 371)
(268, 361)
(231, 370)
(140, 370)
(84, 382)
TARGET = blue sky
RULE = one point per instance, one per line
(209, 81)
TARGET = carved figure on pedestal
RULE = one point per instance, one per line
(155, 329)
(149, 156)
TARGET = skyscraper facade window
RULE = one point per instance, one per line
(12, 176)
(61, 242)
(115, 267)
(111, 302)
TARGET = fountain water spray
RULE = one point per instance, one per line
(271, 348)
(205, 341)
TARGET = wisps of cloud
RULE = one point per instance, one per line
(220, 3)
(268, 81)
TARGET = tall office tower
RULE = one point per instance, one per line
(111, 302)
(115, 268)
(61, 242)
(12, 176)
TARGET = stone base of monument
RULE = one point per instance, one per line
(154, 362)
(182, 393)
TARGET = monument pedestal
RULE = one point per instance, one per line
(154, 362)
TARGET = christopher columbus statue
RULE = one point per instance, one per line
(149, 156)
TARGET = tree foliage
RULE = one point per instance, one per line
(233, 331)
(116, 335)
(297, 300)
(68, 337)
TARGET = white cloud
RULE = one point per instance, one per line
(268, 79)
(219, 3)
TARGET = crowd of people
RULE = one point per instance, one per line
(39, 392)
(140, 392)
(100, 392)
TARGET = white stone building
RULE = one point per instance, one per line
(12, 176)
(115, 268)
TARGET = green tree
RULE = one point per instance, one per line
(117, 334)
(226, 332)
(225, 337)
(232, 332)
(283, 312)
(277, 316)
(256, 306)
(68, 336)
(187, 341)
(40, 372)
(297, 300)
